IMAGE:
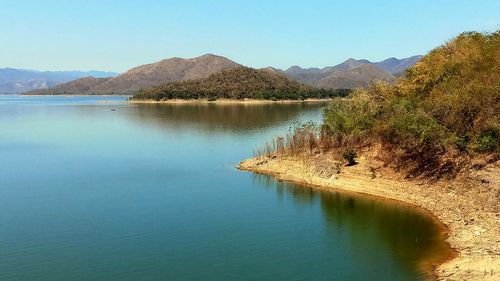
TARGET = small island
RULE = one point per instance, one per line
(238, 84)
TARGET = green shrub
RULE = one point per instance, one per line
(350, 122)
(462, 142)
(413, 129)
(488, 140)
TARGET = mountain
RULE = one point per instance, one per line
(15, 81)
(305, 75)
(397, 66)
(80, 86)
(237, 83)
(354, 78)
(350, 64)
(147, 76)
(352, 73)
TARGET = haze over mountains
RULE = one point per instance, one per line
(147, 76)
(357, 77)
(397, 66)
(15, 81)
(349, 74)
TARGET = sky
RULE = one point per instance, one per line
(117, 35)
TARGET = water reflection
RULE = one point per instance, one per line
(231, 117)
(412, 236)
(149, 192)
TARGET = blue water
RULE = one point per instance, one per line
(92, 188)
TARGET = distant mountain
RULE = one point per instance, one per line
(13, 81)
(354, 78)
(307, 76)
(237, 83)
(79, 86)
(147, 76)
(352, 73)
(397, 66)
(350, 64)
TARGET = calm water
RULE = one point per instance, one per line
(150, 192)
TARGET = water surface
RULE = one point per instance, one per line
(92, 188)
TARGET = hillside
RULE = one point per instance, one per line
(14, 81)
(149, 75)
(237, 83)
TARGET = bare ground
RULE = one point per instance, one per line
(229, 101)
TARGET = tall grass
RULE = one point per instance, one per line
(302, 138)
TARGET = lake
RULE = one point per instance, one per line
(94, 188)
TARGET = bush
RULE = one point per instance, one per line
(350, 156)
(488, 140)
(350, 122)
(462, 142)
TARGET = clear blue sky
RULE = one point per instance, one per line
(117, 35)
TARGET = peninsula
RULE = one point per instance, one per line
(431, 140)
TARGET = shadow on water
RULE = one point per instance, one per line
(413, 237)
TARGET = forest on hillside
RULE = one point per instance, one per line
(238, 83)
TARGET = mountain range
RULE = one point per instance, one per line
(350, 74)
(147, 76)
(23, 80)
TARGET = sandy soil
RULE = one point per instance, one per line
(228, 101)
(468, 208)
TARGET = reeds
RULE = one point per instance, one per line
(302, 138)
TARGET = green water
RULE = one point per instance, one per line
(150, 192)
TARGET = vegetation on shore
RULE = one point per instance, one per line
(238, 83)
(443, 112)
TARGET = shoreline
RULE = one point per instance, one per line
(69, 95)
(472, 234)
(185, 101)
(228, 101)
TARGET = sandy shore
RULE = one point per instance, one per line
(470, 214)
(228, 101)
(70, 96)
